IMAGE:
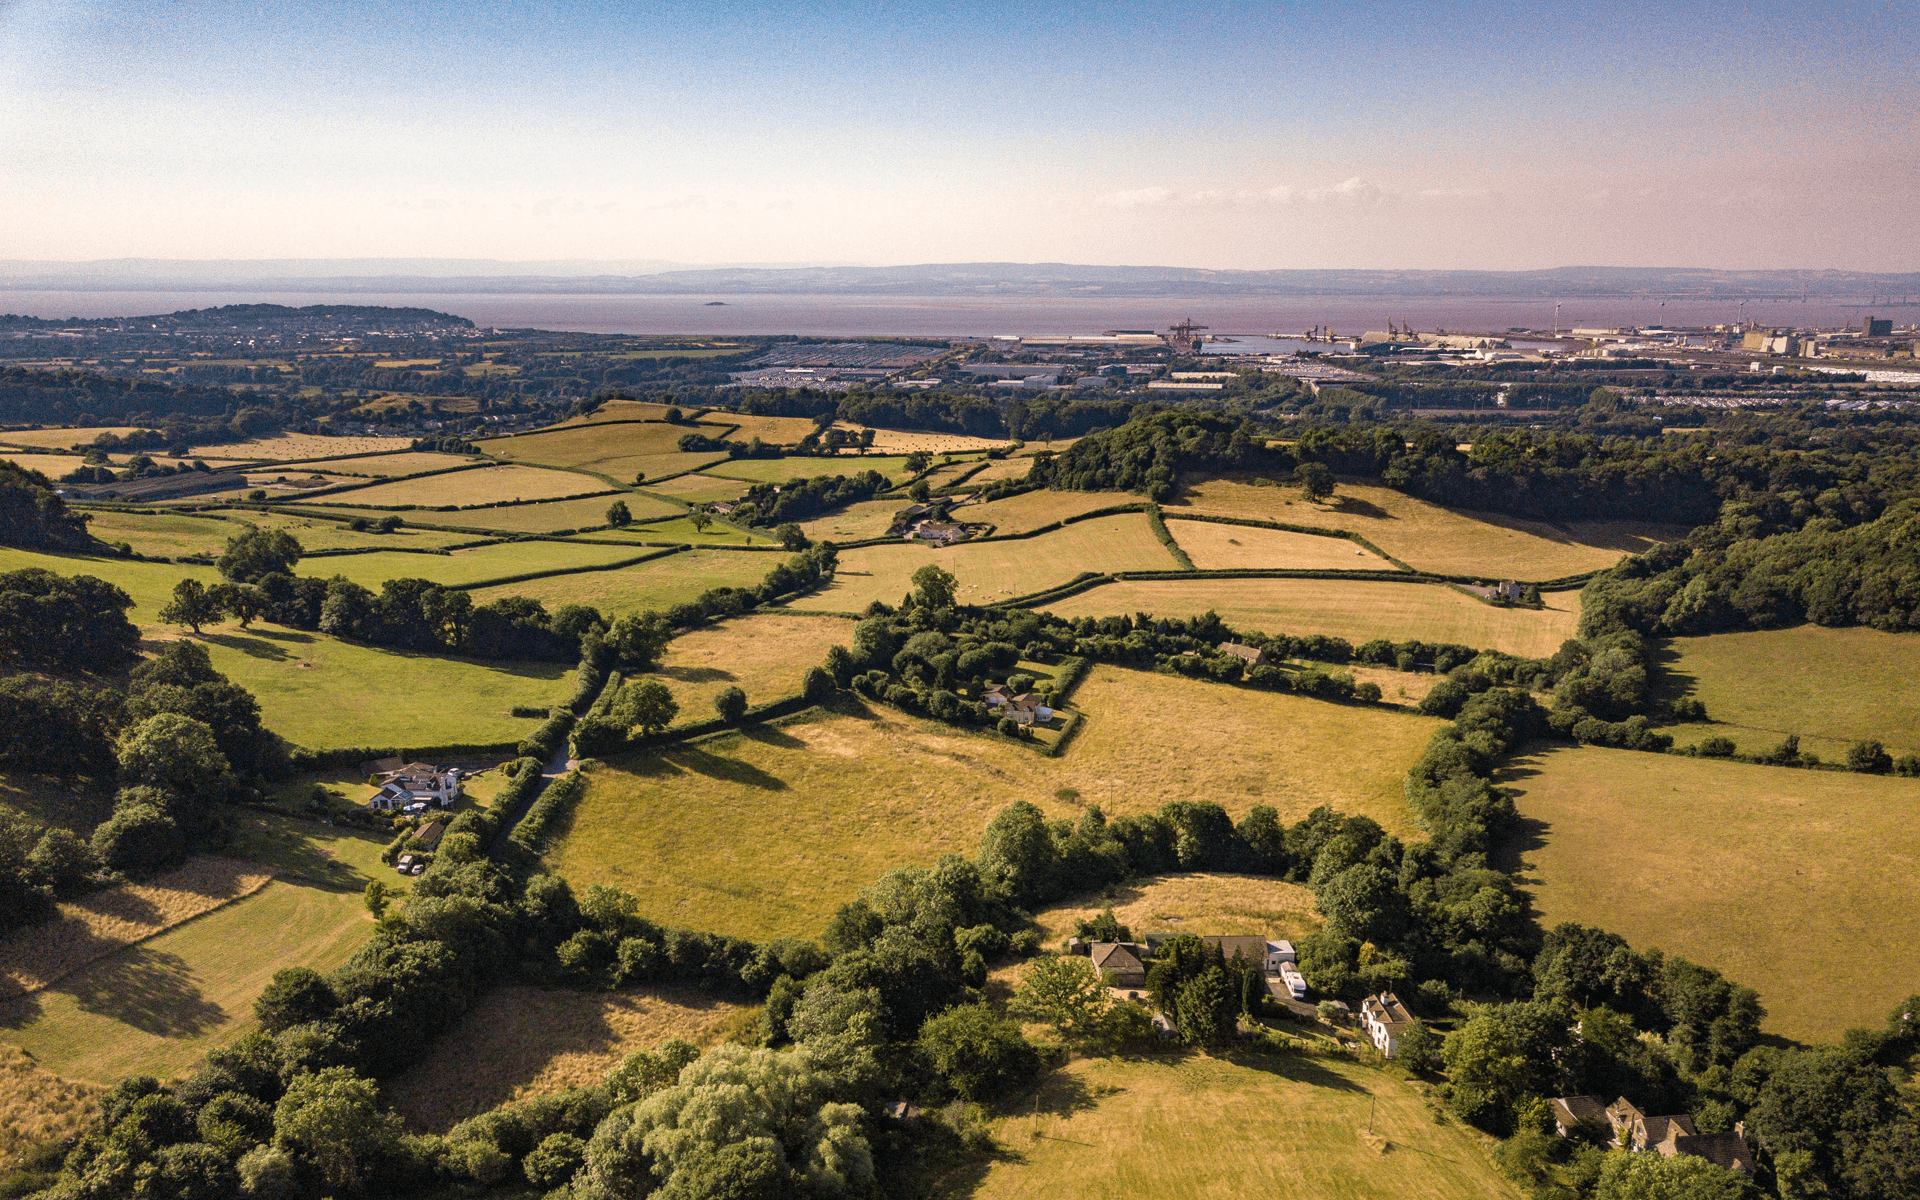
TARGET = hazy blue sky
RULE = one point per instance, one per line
(1429, 135)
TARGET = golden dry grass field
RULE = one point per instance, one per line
(992, 570)
(1031, 510)
(481, 485)
(53, 466)
(620, 410)
(699, 489)
(1833, 687)
(1238, 547)
(1195, 1127)
(1197, 902)
(96, 925)
(1798, 884)
(616, 450)
(659, 584)
(553, 515)
(906, 441)
(38, 1106)
(411, 463)
(766, 655)
(779, 470)
(1353, 609)
(155, 1008)
(298, 447)
(539, 1041)
(779, 431)
(60, 438)
(855, 522)
(1430, 538)
(818, 809)
(1006, 468)
(657, 466)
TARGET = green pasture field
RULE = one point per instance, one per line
(681, 529)
(482, 485)
(990, 571)
(1031, 510)
(657, 466)
(1796, 883)
(698, 489)
(1238, 547)
(620, 410)
(765, 654)
(779, 470)
(855, 522)
(464, 566)
(552, 515)
(1430, 538)
(321, 692)
(156, 1007)
(1353, 609)
(659, 584)
(411, 463)
(1189, 1126)
(818, 808)
(176, 534)
(1833, 687)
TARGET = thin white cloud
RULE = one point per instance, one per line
(1355, 192)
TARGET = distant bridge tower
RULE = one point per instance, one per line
(1185, 337)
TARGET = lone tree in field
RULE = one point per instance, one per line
(243, 600)
(731, 704)
(647, 705)
(701, 519)
(933, 587)
(619, 515)
(256, 553)
(192, 605)
(1315, 479)
(918, 461)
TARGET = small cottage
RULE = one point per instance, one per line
(1385, 1020)
(1121, 964)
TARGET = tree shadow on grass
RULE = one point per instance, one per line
(252, 647)
(152, 990)
(731, 770)
(695, 674)
(1353, 506)
(768, 735)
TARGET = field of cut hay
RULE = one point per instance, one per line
(659, 584)
(411, 463)
(1356, 610)
(53, 466)
(38, 1106)
(817, 809)
(1284, 1127)
(1795, 883)
(906, 441)
(1006, 468)
(156, 1007)
(60, 438)
(497, 561)
(481, 485)
(299, 447)
(994, 570)
(766, 655)
(95, 926)
(553, 515)
(1430, 538)
(1238, 547)
(779, 470)
(681, 530)
(1833, 687)
(1237, 905)
(524, 1042)
(1031, 510)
